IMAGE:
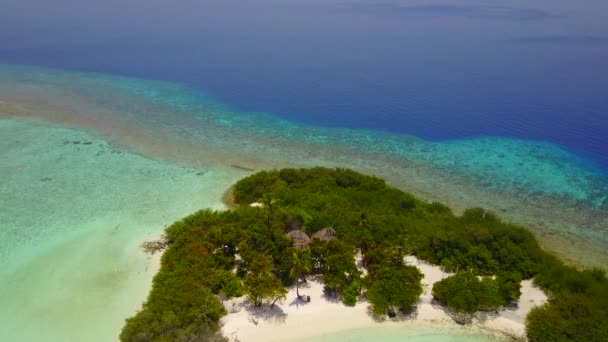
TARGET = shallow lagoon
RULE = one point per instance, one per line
(413, 335)
(94, 164)
(74, 211)
(559, 196)
(509, 99)
(140, 154)
(77, 208)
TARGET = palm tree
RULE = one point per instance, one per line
(270, 205)
(300, 266)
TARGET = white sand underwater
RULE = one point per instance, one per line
(73, 210)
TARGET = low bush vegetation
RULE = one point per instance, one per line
(466, 293)
(200, 265)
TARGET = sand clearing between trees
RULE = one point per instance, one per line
(295, 319)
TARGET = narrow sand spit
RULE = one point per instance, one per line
(295, 319)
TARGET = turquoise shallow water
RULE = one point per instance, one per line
(393, 334)
(93, 164)
(74, 211)
(561, 197)
(503, 164)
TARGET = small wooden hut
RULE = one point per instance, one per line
(299, 238)
(325, 234)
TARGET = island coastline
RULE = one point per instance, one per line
(295, 320)
(247, 264)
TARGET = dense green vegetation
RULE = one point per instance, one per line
(579, 310)
(201, 264)
(261, 284)
(334, 260)
(466, 293)
(391, 284)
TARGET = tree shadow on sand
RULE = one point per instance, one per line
(331, 295)
(394, 316)
(300, 301)
(303, 298)
(457, 317)
(265, 313)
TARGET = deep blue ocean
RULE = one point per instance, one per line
(120, 117)
(438, 70)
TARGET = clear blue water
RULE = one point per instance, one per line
(554, 192)
(502, 105)
(439, 70)
(74, 209)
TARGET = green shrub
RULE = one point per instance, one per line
(385, 224)
(351, 292)
(466, 293)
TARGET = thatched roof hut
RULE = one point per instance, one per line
(299, 238)
(325, 234)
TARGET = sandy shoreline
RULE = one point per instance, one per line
(292, 319)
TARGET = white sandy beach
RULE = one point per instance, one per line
(295, 320)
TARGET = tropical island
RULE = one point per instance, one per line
(368, 243)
